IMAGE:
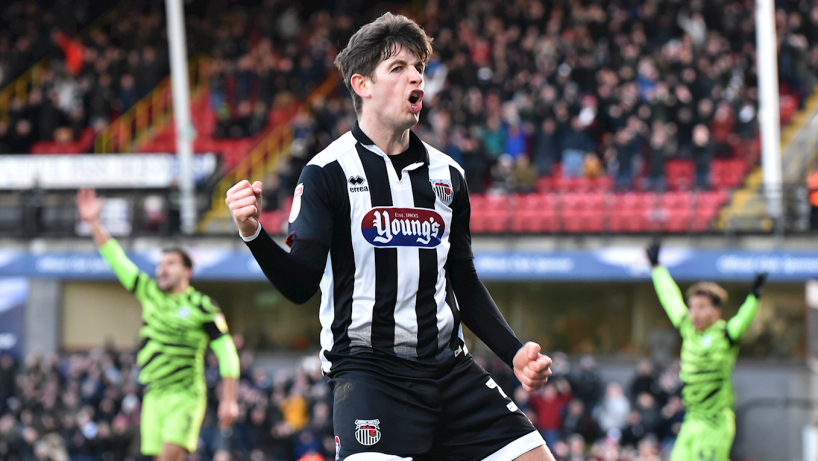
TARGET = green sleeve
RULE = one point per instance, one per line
(739, 324)
(669, 295)
(125, 270)
(225, 350)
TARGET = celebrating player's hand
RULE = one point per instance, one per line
(652, 251)
(757, 289)
(228, 412)
(531, 367)
(88, 205)
(244, 201)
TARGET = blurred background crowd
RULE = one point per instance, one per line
(86, 407)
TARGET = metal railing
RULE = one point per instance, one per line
(153, 112)
(263, 160)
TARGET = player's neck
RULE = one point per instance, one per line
(390, 140)
(181, 287)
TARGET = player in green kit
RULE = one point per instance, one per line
(178, 324)
(709, 350)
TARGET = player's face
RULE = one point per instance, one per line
(397, 91)
(702, 312)
(171, 272)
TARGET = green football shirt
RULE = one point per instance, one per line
(707, 356)
(176, 329)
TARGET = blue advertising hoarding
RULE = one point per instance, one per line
(605, 264)
(13, 300)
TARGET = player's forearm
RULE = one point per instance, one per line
(225, 350)
(669, 295)
(296, 280)
(479, 312)
(125, 270)
(739, 324)
(99, 233)
(229, 389)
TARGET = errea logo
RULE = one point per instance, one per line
(357, 184)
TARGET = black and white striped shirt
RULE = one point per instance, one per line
(386, 238)
(390, 234)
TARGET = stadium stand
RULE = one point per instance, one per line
(85, 407)
(601, 99)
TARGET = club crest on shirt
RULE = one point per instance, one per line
(183, 313)
(443, 190)
(367, 431)
(403, 227)
(337, 448)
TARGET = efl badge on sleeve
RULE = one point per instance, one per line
(443, 190)
(367, 431)
(299, 190)
(221, 324)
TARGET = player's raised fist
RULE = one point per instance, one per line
(531, 367)
(244, 201)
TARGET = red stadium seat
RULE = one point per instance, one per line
(628, 220)
(536, 202)
(680, 174)
(676, 220)
(534, 221)
(492, 221)
(676, 200)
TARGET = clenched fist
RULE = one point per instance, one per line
(244, 201)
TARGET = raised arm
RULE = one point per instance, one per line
(669, 294)
(738, 325)
(297, 274)
(89, 207)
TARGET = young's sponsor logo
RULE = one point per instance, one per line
(403, 227)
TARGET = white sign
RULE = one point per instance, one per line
(114, 171)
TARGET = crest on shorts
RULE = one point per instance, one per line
(443, 190)
(367, 431)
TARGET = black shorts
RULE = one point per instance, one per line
(463, 415)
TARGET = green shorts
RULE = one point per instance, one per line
(171, 416)
(702, 439)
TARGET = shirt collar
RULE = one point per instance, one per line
(414, 142)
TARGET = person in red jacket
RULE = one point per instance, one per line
(73, 51)
(548, 405)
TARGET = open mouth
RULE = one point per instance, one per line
(415, 100)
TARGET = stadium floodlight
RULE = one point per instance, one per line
(769, 118)
(181, 112)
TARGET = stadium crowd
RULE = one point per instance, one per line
(521, 90)
(258, 53)
(86, 407)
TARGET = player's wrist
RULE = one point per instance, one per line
(249, 232)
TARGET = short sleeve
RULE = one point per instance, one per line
(213, 321)
(311, 217)
(460, 236)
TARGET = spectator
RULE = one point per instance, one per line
(587, 383)
(702, 153)
(661, 150)
(548, 405)
(613, 412)
(577, 420)
(644, 381)
(575, 143)
(524, 174)
(546, 147)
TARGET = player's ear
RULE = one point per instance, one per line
(361, 85)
